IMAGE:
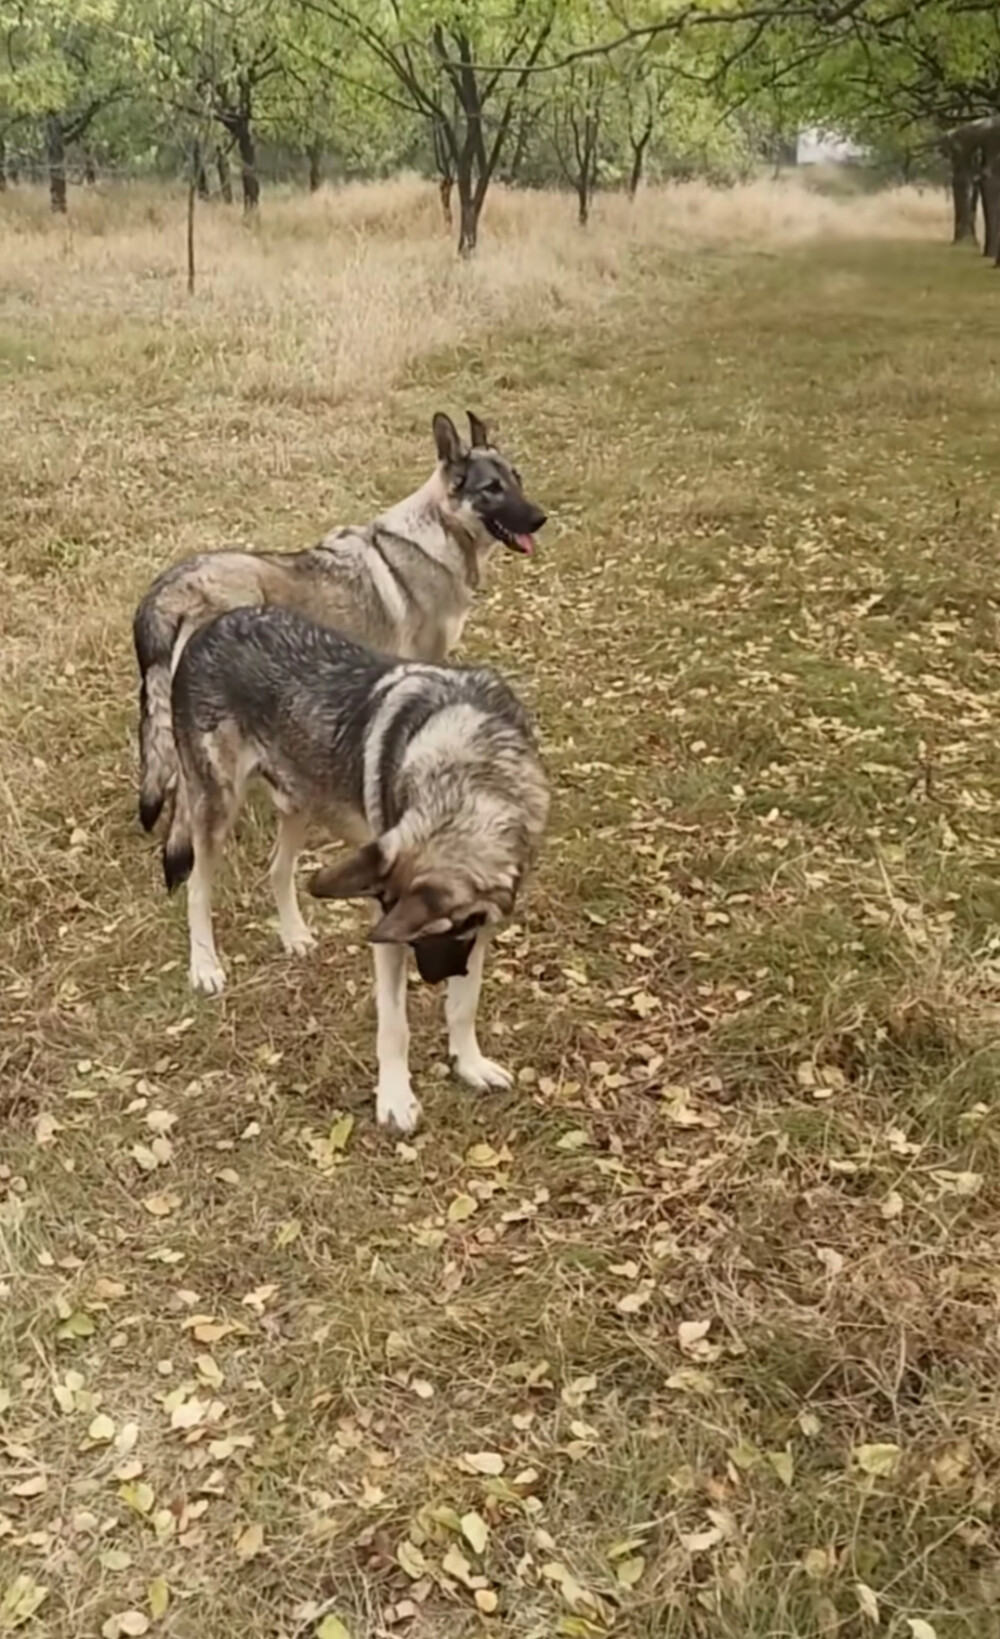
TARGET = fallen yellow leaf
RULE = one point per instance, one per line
(21, 1599)
(633, 1301)
(484, 1462)
(629, 1571)
(140, 1497)
(475, 1531)
(411, 1560)
(161, 1206)
(35, 1487)
(340, 1133)
(332, 1627)
(159, 1598)
(876, 1460)
(250, 1542)
(115, 1559)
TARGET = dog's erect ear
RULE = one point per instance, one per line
(479, 433)
(360, 876)
(446, 440)
(411, 917)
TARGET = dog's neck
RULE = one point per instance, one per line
(420, 518)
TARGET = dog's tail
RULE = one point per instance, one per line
(155, 634)
(178, 847)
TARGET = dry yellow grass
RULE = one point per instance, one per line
(337, 293)
(717, 1284)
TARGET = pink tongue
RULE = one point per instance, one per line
(526, 543)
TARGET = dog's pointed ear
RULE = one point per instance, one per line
(360, 876)
(479, 432)
(446, 440)
(411, 917)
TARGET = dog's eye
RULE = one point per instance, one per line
(516, 476)
(494, 487)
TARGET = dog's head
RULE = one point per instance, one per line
(484, 499)
(435, 908)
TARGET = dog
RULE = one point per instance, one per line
(404, 583)
(431, 773)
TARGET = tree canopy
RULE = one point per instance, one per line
(573, 93)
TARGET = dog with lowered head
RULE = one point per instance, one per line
(430, 773)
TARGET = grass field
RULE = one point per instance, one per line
(696, 1333)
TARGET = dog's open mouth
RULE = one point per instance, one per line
(524, 544)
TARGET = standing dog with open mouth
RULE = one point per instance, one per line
(431, 772)
(404, 583)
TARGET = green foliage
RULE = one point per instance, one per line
(529, 90)
(64, 58)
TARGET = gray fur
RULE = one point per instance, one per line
(403, 583)
(430, 772)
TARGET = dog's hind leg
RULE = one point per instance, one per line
(461, 1008)
(395, 1102)
(211, 821)
(296, 936)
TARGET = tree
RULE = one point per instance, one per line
(577, 108)
(64, 68)
(641, 83)
(218, 61)
(458, 65)
(974, 150)
(879, 73)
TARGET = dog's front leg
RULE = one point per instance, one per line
(395, 1102)
(461, 1008)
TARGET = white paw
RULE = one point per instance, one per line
(397, 1106)
(207, 976)
(298, 941)
(481, 1073)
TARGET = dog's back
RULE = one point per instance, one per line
(331, 583)
(277, 678)
(327, 720)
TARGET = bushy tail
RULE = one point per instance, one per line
(178, 849)
(154, 634)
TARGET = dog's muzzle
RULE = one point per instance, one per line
(517, 533)
(446, 955)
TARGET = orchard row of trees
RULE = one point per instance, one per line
(582, 92)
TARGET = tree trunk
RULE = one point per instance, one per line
(89, 169)
(55, 154)
(225, 174)
(989, 193)
(963, 198)
(248, 164)
(638, 158)
(200, 174)
(520, 149)
(3, 165)
(445, 188)
(468, 217)
(197, 172)
(315, 166)
(583, 201)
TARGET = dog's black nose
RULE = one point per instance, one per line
(538, 518)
